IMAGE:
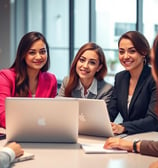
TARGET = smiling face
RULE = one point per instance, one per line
(36, 57)
(129, 57)
(87, 66)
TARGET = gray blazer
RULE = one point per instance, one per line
(104, 90)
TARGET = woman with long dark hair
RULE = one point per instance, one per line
(28, 76)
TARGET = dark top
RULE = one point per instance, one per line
(140, 117)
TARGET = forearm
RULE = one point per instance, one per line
(149, 148)
(141, 125)
(4, 160)
(7, 155)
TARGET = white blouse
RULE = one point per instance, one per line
(129, 100)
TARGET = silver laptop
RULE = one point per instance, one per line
(94, 118)
(41, 120)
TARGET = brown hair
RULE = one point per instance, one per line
(140, 43)
(155, 59)
(73, 76)
(20, 66)
(155, 65)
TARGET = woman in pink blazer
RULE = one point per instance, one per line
(28, 76)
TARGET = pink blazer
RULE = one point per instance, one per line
(47, 87)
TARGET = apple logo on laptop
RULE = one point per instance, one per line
(41, 122)
(82, 117)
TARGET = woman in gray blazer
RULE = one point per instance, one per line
(134, 95)
(87, 72)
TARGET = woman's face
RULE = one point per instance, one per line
(88, 65)
(129, 57)
(36, 56)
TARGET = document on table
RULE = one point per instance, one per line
(25, 156)
(98, 148)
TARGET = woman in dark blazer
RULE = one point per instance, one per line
(145, 147)
(87, 72)
(134, 94)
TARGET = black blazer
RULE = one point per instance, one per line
(141, 116)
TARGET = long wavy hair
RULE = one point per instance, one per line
(140, 43)
(155, 65)
(20, 66)
(155, 58)
(73, 76)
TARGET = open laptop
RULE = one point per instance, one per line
(94, 118)
(41, 120)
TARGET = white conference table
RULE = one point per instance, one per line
(57, 155)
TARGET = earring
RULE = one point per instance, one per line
(144, 61)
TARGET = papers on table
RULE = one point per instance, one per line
(25, 156)
(98, 148)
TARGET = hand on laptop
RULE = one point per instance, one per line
(117, 128)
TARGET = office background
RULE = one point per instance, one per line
(68, 24)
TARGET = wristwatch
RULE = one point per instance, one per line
(135, 146)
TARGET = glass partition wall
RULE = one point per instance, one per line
(68, 24)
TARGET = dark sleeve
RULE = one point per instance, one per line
(149, 148)
(149, 122)
(112, 105)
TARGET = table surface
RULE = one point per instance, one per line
(59, 155)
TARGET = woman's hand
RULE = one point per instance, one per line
(154, 165)
(118, 143)
(117, 128)
(16, 148)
